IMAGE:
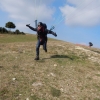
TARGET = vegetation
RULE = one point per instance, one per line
(6, 38)
(3, 30)
(18, 32)
(10, 25)
(65, 72)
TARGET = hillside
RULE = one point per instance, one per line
(65, 72)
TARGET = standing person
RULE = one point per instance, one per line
(41, 37)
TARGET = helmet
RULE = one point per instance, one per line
(40, 24)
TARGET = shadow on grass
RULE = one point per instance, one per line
(1, 67)
(59, 56)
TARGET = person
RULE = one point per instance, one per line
(41, 37)
(90, 44)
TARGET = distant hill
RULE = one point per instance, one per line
(65, 72)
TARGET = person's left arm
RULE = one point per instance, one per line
(50, 32)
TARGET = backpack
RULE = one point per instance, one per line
(45, 26)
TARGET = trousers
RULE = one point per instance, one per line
(44, 43)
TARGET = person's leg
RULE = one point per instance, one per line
(45, 46)
(37, 50)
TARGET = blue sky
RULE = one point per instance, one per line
(75, 21)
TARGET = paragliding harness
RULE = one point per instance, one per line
(42, 36)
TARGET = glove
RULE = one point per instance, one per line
(27, 25)
(55, 34)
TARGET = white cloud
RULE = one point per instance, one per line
(81, 12)
(26, 11)
(76, 12)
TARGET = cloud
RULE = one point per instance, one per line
(27, 11)
(81, 12)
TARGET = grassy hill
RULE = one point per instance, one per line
(65, 72)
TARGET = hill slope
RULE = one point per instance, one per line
(65, 72)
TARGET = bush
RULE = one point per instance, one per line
(3, 30)
(22, 33)
(17, 32)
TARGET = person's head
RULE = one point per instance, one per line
(40, 24)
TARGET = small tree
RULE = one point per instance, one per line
(10, 25)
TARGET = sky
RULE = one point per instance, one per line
(75, 21)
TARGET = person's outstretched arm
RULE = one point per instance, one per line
(51, 32)
(32, 28)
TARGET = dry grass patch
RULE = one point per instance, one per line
(63, 73)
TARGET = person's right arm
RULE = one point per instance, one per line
(32, 28)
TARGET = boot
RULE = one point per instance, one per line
(45, 50)
(37, 58)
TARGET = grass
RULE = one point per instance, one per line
(6, 38)
(55, 92)
(63, 73)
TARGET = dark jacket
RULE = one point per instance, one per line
(43, 33)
